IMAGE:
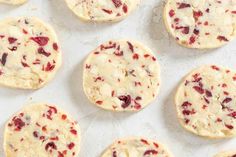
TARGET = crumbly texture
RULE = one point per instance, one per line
(41, 130)
(226, 154)
(121, 76)
(29, 53)
(205, 102)
(13, 2)
(136, 147)
(201, 24)
(102, 10)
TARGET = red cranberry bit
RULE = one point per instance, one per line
(215, 67)
(63, 117)
(150, 152)
(117, 3)
(126, 99)
(4, 58)
(35, 134)
(192, 39)
(114, 154)
(188, 112)
(99, 102)
(131, 47)
(14, 48)
(197, 14)
(186, 104)
(229, 126)
(208, 93)
(43, 52)
(19, 124)
(60, 154)
(222, 38)
(42, 41)
(24, 64)
(233, 12)
(125, 8)
(144, 141)
(200, 90)
(118, 53)
(135, 56)
(50, 145)
(73, 131)
(55, 46)
(227, 100)
(184, 5)
(233, 114)
(196, 31)
(11, 40)
(71, 145)
(49, 67)
(107, 11)
(171, 13)
(185, 30)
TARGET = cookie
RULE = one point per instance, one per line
(102, 11)
(205, 102)
(29, 53)
(136, 147)
(201, 24)
(226, 154)
(13, 2)
(121, 75)
(41, 130)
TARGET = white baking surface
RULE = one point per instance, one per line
(99, 128)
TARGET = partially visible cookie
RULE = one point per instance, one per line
(206, 102)
(201, 24)
(102, 11)
(226, 154)
(121, 75)
(136, 147)
(41, 130)
(29, 53)
(13, 2)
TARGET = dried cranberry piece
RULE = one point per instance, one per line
(197, 14)
(42, 41)
(114, 154)
(125, 8)
(55, 46)
(227, 100)
(19, 124)
(150, 152)
(208, 93)
(126, 100)
(199, 89)
(196, 31)
(233, 114)
(186, 104)
(229, 126)
(11, 40)
(107, 11)
(43, 52)
(131, 47)
(185, 30)
(184, 5)
(222, 38)
(117, 3)
(171, 13)
(4, 58)
(71, 145)
(50, 145)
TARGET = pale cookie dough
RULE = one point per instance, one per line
(226, 154)
(29, 53)
(121, 75)
(136, 147)
(201, 24)
(41, 130)
(206, 102)
(102, 10)
(13, 2)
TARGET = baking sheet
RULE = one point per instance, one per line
(99, 128)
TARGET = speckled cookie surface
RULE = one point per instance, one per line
(196, 24)
(226, 154)
(29, 53)
(13, 2)
(41, 130)
(102, 10)
(121, 76)
(136, 147)
(205, 102)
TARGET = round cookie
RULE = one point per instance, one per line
(102, 11)
(41, 130)
(136, 147)
(13, 2)
(205, 102)
(226, 154)
(121, 75)
(29, 53)
(201, 24)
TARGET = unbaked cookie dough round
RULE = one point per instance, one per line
(206, 102)
(41, 130)
(201, 24)
(13, 2)
(121, 75)
(226, 154)
(136, 147)
(102, 11)
(29, 53)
